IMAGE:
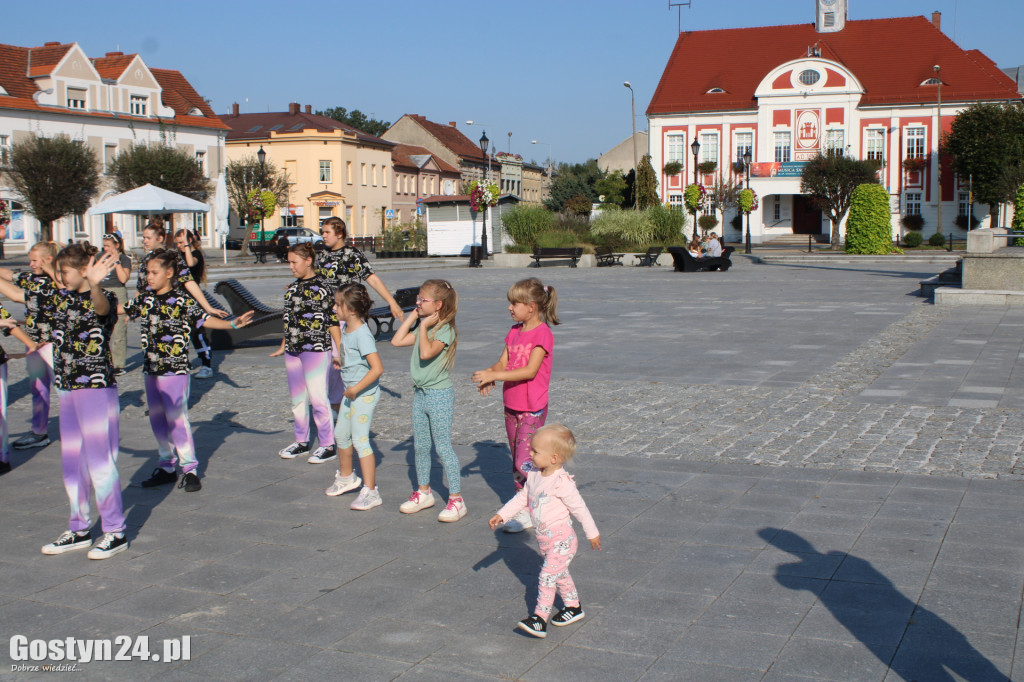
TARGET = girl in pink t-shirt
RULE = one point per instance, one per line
(525, 369)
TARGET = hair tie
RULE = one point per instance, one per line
(545, 289)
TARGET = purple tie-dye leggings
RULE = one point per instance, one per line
(88, 452)
(307, 382)
(167, 396)
(40, 376)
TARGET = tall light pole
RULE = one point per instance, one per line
(636, 163)
(695, 148)
(483, 232)
(938, 146)
(261, 156)
(747, 158)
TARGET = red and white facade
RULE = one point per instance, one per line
(867, 89)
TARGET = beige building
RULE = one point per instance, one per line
(332, 168)
(447, 142)
(620, 157)
(536, 185)
(419, 174)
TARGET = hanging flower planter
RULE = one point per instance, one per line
(673, 168)
(482, 195)
(916, 164)
(707, 167)
(747, 200)
(5, 213)
(261, 205)
(693, 195)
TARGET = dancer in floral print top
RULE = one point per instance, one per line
(8, 326)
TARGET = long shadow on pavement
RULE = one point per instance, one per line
(520, 559)
(928, 647)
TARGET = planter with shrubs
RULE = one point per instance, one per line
(912, 240)
(914, 221)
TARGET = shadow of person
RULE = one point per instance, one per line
(520, 559)
(494, 464)
(915, 643)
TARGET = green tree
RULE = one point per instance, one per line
(526, 222)
(247, 174)
(571, 180)
(724, 195)
(987, 142)
(357, 120)
(1018, 210)
(646, 184)
(55, 176)
(830, 181)
(613, 188)
(869, 227)
(160, 165)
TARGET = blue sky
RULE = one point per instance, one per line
(551, 70)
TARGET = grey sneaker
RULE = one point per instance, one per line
(518, 523)
(368, 499)
(321, 455)
(108, 546)
(31, 440)
(68, 542)
(294, 450)
(343, 484)
(204, 373)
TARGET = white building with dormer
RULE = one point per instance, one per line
(866, 88)
(111, 103)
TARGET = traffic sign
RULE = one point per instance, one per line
(390, 213)
(419, 210)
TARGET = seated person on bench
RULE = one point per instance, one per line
(714, 249)
(695, 248)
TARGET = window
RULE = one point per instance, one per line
(348, 172)
(874, 141)
(809, 77)
(362, 214)
(714, 91)
(777, 209)
(76, 98)
(199, 224)
(109, 154)
(913, 203)
(675, 149)
(963, 199)
(254, 129)
(675, 201)
(325, 172)
(915, 143)
(708, 147)
(829, 19)
(288, 220)
(201, 162)
(325, 212)
(138, 105)
(384, 176)
(5, 150)
(782, 147)
(79, 226)
(362, 173)
(835, 142)
(297, 126)
(744, 143)
(373, 170)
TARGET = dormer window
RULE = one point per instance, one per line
(277, 127)
(254, 129)
(297, 126)
(194, 111)
(139, 105)
(76, 98)
(809, 77)
(714, 91)
(932, 81)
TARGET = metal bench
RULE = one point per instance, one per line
(573, 253)
(684, 262)
(604, 256)
(381, 317)
(265, 320)
(648, 259)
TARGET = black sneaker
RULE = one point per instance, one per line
(4, 467)
(294, 450)
(322, 454)
(108, 546)
(534, 626)
(190, 482)
(68, 542)
(570, 614)
(160, 477)
(31, 440)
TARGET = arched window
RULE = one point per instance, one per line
(809, 77)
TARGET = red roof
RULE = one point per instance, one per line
(452, 138)
(402, 153)
(177, 92)
(890, 58)
(259, 126)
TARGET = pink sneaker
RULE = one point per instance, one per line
(453, 511)
(418, 501)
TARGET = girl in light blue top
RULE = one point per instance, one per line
(433, 402)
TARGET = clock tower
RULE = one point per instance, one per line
(830, 15)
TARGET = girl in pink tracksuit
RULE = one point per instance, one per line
(550, 496)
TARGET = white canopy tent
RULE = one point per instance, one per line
(149, 200)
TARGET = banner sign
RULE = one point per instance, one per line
(787, 169)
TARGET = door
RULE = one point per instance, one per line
(806, 217)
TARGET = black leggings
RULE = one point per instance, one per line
(202, 346)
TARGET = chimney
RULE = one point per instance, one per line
(309, 108)
(52, 43)
(293, 108)
(452, 124)
(234, 109)
(115, 54)
(937, 20)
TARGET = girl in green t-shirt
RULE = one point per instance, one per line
(433, 402)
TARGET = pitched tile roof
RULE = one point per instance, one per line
(44, 58)
(452, 138)
(259, 126)
(890, 58)
(113, 64)
(411, 156)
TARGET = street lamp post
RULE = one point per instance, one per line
(938, 146)
(747, 158)
(261, 156)
(549, 165)
(695, 148)
(636, 163)
(483, 232)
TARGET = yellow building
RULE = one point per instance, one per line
(332, 168)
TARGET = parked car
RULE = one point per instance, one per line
(232, 244)
(298, 235)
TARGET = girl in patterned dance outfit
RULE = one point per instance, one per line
(342, 264)
(154, 236)
(87, 393)
(116, 283)
(8, 326)
(167, 314)
(433, 400)
(187, 243)
(549, 496)
(37, 290)
(310, 327)
(525, 369)
(361, 370)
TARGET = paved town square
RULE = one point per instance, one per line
(799, 472)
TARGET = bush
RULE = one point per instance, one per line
(578, 205)
(869, 227)
(566, 222)
(937, 239)
(913, 221)
(912, 240)
(737, 222)
(667, 222)
(625, 226)
(523, 223)
(707, 222)
(961, 222)
(558, 239)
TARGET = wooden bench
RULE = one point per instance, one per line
(604, 256)
(382, 318)
(650, 258)
(265, 320)
(573, 253)
(684, 262)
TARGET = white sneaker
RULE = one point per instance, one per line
(454, 511)
(204, 373)
(342, 484)
(368, 499)
(418, 501)
(518, 523)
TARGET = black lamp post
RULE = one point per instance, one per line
(747, 158)
(483, 232)
(261, 156)
(695, 148)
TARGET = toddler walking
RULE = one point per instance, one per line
(525, 369)
(433, 400)
(550, 496)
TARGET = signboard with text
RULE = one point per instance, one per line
(786, 169)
